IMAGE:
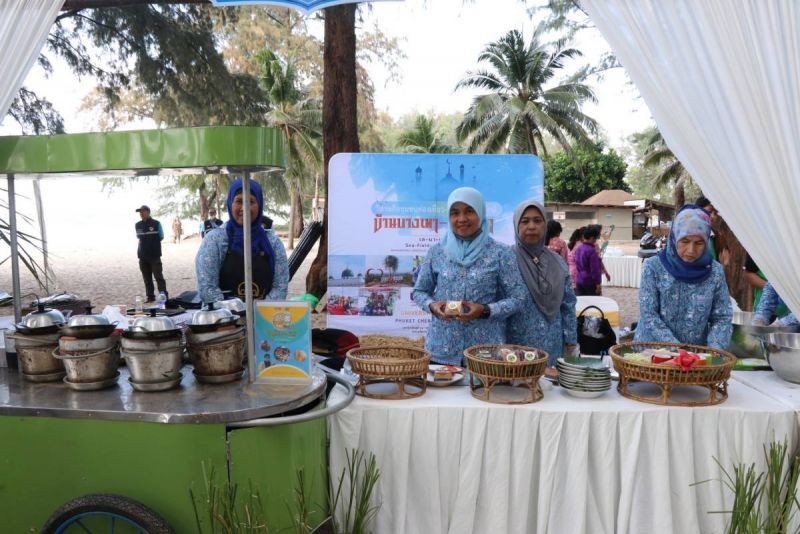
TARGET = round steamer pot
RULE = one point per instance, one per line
(87, 319)
(43, 317)
(35, 356)
(152, 360)
(89, 360)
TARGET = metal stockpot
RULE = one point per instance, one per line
(35, 356)
(89, 360)
(217, 353)
(746, 339)
(152, 360)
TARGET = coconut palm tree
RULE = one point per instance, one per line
(519, 109)
(300, 119)
(671, 170)
(423, 138)
(391, 263)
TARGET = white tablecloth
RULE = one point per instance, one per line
(768, 383)
(625, 271)
(453, 464)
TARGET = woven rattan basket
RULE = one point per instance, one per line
(403, 366)
(488, 373)
(714, 377)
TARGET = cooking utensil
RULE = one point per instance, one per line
(156, 386)
(142, 334)
(153, 323)
(91, 386)
(88, 360)
(152, 360)
(89, 331)
(212, 316)
(234, 304)
(783, 355)
(43, 317)
(37, 331)
(87, 319)
(746, 337)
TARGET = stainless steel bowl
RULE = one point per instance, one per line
(783, 354)
(746, 337)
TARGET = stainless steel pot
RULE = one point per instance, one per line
(216, 354)
(234, 305)
(153, 323)
(89, 360)
(746, 337)
(87, 319)
(43, 317)
(35, 356)
(152, 360)
(212, 316)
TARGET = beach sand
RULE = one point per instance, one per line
(109, 274)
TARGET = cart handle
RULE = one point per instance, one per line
(304, 417)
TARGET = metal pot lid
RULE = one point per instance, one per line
(234, 304)
(153, 323)
(211, 315)
(87, 319)
(43, 317)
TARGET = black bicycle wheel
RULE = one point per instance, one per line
(105, 513)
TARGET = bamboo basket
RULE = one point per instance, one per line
(714, 378)
(489, 373)
(400, 365)
(378, 340)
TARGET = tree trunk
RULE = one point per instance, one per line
(203, 200)
(732, 255)
(339, 116)
(299, 224)
(679, 196)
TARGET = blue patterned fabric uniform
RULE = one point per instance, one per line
(211, 256)
(531, 328)
(476, 269)
(770, 300)
(685, 302)
(493, 279)
(547, 319)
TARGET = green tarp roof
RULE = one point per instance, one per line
(220, 149)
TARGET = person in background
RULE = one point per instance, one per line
(150, 234)
(708, 207)
(601, 249)
(220, 260)
(177, 230)
(210, 223)
(470, 270)
(683, 296)
(756, 279)
(588, 266)
(575, 239)
(771, 306)
(553, 240)
(547, 318)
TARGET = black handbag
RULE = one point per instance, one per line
(595, 335)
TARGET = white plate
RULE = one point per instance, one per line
(457, 377)
(585, 394)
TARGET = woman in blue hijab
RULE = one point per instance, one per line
(220, 261)
(683, 297)
(468, 282)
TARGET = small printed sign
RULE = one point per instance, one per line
(283, 341)
(559, 215)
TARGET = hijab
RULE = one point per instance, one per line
(540, 267)
(258, 236)
(690, 221)
(466, 251)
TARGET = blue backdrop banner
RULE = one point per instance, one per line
(387, 210)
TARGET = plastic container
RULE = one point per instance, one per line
(162, 301)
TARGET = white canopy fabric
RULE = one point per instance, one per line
(24, 25)
(722, 80)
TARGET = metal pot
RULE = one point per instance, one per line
(43, 317)
(89, 331)
(152, 360)
(87, 319)
(212, 319)
(35, 356)
(235, 305)
(89, 360)
(217, 354)
(746, 337)
(153, 323)
(37, 331)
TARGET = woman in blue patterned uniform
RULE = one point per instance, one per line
(547, 319)
(220, 261)
(471, 267)
(683, 296)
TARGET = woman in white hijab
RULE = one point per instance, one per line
(547, 319)
(473, 272)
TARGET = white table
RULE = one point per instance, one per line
(769, 384)
(625, 271)
(453, 464)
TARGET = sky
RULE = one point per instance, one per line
(441, 40)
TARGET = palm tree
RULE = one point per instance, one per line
(391, 263)
(300, 119)
(423, 138)
(518, 110)
(671, 170)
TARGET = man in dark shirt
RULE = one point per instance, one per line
(150, 234)
(210, 223)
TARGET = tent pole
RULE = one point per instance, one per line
(248, 279)
(37, 194)
(12, 223)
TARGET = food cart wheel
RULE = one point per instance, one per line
(105, 513)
